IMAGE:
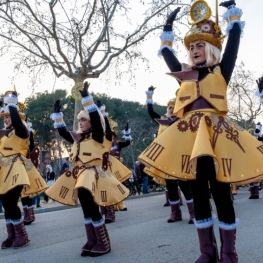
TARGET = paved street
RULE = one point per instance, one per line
(139, 235)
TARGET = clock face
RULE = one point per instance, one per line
(200, 11)
(75, 91)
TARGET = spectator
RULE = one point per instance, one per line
(65, 166)
(135, 181)
(50, 179)
(144, 177)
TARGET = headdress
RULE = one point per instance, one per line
(203, 28)
(10, 99)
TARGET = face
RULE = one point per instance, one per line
(170, 111)
(84, 124)
(7, 121)
(197, 52)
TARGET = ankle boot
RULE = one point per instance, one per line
(10, 236)
(91, 236)
(21, 237)
(208, 246)
(110, 216)
(191, 210)
(252, 192)
(30, 216)
(228, 252)
(176, 214)
(256, 192)
(103, 241)
(103, 211)
(167, 198)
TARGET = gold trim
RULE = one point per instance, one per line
(166, 43)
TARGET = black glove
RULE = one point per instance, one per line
(151, 88)
(228, 4)
(98, 103)
(57, 106)
(172, 16)
(85, 92)
(260, 84)
(1, 104)
(126, 127)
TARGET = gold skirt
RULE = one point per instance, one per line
(237, 154)
(105, 189)
(118, 170)
(17, 170)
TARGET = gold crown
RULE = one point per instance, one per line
(202, 27)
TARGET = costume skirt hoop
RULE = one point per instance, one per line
(17, 170)
(237, 154)
(118, 170)
(106, 189)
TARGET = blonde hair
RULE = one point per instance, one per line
(212, 54)
(85, 115)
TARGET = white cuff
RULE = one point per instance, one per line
(56, 115)
(11, 105)
(231, 24)
(102, 108)
(174, 202)
(149, 101)
(205, 223)
(105, 114)
(10, 99)
(165, 46)
(167, 36)
(98, 223)
(234, 11)
(127, 137)
(127, 133)
(226, 226)
(91, 107)
(149, 92)
(259, 94)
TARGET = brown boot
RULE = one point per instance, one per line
(228, 251)
(29, 215)
(91, 236)
(110, 216)
(176, 214)
(10, 235)
(103, 241)
(191, 210)
(207, 242)
(21, 237)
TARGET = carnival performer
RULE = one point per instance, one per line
(87, 180)
(16, 170)
(208, 146)
(171, 182)
(114, 166)
(116, 148)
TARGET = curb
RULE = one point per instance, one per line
(64, 207)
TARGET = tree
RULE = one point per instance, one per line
(244, 107)
(77, 40)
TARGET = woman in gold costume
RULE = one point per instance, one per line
(86, 180)
(18, 176)
(207, 146)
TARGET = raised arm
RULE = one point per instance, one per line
(20, 129)
(234, 30)
(59, 124)
(127, 136)
(167, 38)
(95, 118)
(154, 115)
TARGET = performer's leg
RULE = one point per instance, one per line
(17, 234)
(166, 196)
(226, 218)
(185, 187)
(203, 217)
(174, 200)
(252, 191)
(256, 187)
(98, 239)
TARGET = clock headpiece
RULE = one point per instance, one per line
(202, 27)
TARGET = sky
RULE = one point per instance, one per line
(250, 52)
